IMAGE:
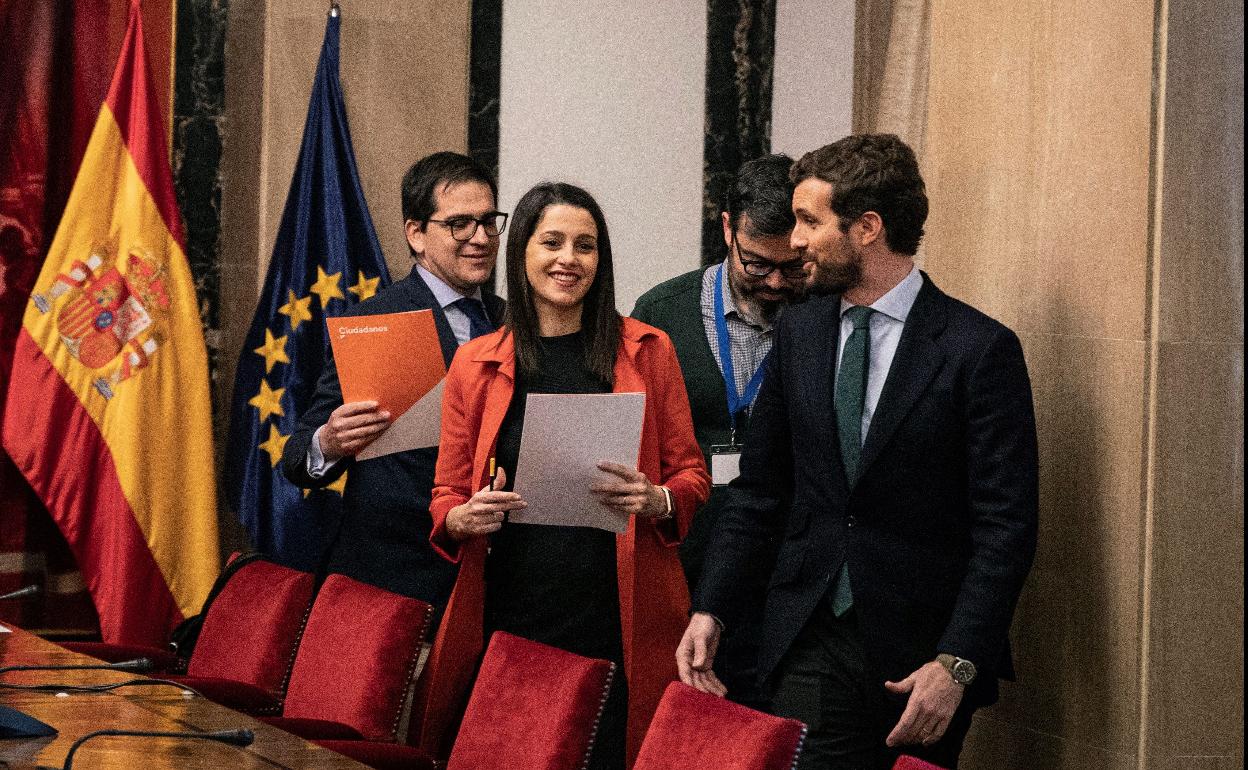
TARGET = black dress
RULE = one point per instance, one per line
(553, 584)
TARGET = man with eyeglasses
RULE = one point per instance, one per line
(720, 319)
(452, 225)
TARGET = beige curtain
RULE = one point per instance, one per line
(891, 39)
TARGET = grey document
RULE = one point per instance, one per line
(564, 439)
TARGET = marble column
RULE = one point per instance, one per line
(198, 115)
(740, 47)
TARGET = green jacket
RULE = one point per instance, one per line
(675, 306)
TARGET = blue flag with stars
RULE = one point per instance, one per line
(325, 259)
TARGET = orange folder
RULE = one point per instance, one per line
(394, 359)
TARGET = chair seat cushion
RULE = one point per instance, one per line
(382, 756)
(239, 696)
(310, 729)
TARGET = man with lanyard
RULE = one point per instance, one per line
(720, 319)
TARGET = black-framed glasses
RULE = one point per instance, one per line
(761, 268)
(464, 228)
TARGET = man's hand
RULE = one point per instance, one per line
(351, 427)
(631, 494)
(696, 654)
(934, 696)
(483, 513)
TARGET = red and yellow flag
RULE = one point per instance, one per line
(108, 412)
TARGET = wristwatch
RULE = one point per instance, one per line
(962, 670)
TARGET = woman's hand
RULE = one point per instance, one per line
(483, 513)
(631, 493)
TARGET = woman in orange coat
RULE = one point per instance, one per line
(589, 591)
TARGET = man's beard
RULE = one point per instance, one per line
(836, 278)
(767, 308)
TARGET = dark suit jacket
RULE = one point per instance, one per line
(940, 528)
(384, 537)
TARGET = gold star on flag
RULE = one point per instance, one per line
(366, 288)
(273, 350)
(326, 286)
(268, 401)
(297, 309)
(340, 485)
(275, 445)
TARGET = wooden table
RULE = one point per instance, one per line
(134, 708)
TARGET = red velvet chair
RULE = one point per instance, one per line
(905, 762)
(533, 707)
(694, 729)
(356, 663)
(165, 660)
(246, 648)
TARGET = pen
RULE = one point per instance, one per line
(493, 478)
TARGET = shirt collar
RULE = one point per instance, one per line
(896, 304)
(442, 292)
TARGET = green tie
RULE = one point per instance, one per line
(851, 390)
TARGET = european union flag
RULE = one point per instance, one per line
(326, 258)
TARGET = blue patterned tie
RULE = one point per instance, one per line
(851, 391)
(478, 321)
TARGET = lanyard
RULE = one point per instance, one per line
(736, 402)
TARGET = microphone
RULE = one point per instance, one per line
(240, 738)
(137, 665)
(20, 593)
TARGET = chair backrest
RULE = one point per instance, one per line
(251, 628)
(906, 762)
(695, 729)
(358, 657)
(533, 706)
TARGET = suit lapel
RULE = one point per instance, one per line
(422, 297)
(819, 376)
(915, 363)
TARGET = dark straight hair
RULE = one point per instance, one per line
(600, 323)
(432, 175)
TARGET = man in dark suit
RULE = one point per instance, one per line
(893, 450)
(452, 228)
(726, 313)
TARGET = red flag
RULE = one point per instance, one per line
(108, 411)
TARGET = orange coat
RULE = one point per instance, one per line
(654, 601)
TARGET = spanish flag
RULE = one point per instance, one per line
(108, 412)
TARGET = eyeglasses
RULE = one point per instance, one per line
(761, 268)
(464, 228)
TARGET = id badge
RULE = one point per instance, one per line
(725, 463)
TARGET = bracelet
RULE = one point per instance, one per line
(671, 510)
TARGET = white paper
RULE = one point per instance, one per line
(725, 467)
(4, 630)
(417, 428)
(564, 439)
